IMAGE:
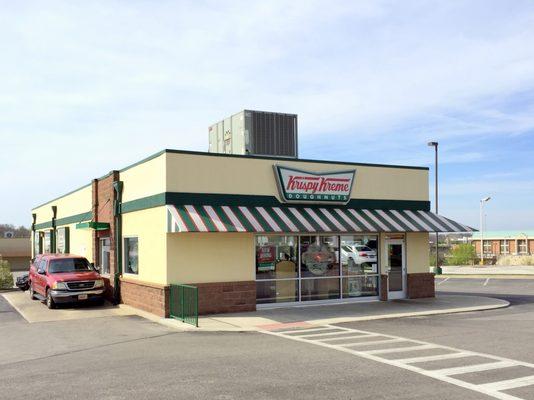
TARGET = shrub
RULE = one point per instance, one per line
(462, 254)
(6, 277)
(516, 260)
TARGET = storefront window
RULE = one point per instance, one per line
(131, 259)
(276, 269)
(315, 267)
(276, 257)
(360, 286)
(277, 291)
(319, 256)
(320, 289)
(359, 254)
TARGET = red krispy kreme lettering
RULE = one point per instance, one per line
(317, 184)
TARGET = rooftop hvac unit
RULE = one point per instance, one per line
(257, 133)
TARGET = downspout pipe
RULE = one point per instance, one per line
(34, 220)
(117, 202)
(53, 234)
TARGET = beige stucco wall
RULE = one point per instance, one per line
(234, 175)
(81, 242)
(417, 254)
(149, 226)
(210, 257)
(145, 179)
(416, 248)
(77, 202)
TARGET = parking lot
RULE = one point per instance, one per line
(123, 357)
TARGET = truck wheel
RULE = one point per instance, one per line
(32, 292)
(49, 300)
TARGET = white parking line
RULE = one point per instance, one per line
(443, 281)
(346, 337)
(487, 280)
(474, 368)
(492, 389)
(402, 349)
(510, 383)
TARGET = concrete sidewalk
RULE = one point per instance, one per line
(489, 270)
(307, 315)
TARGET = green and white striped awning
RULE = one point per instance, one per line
(207, 218)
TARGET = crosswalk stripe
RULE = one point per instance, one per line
(474, 368)
(373, 342)
(509, 384)
(492, 389)
(305, 330)
(412, 360)
(322, 334)
(346, 337)
(402, 349)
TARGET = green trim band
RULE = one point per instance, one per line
(144, 203)
(66, 220)
(97, 226)
(214, 199)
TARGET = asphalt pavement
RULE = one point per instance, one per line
(128, 357)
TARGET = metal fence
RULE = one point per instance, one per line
(184, 303)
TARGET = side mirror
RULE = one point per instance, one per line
(97, 269)
(41, 271)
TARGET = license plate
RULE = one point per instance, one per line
(82, 297)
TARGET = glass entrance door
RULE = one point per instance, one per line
(397, 269)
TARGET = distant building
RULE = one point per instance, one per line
(501, 243)
(16, 251)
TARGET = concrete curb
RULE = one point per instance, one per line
(487, 275)
(223, 326)
(410, 314)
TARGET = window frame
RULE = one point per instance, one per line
(125, 254)
(505, 247)
(341, 276)
(522, 246)
(101, 253)
(489, 244)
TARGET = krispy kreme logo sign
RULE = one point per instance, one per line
(298, 186)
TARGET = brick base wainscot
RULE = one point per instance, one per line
(146, 296)
(421, 285)
(226, 297)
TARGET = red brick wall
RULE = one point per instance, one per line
(421, 285)
(477, 246)
(103, 195)
(496, 247)
(225, 297)
(383, 287)
(149, 297)
(531, 246)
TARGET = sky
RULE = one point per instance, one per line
(371, 81)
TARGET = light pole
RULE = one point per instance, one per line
(482, 202)
(435, 145)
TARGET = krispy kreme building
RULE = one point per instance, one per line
(249, 231)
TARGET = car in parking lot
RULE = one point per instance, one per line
(65, 278)
(358, 256)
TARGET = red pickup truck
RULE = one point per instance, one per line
(64, 278)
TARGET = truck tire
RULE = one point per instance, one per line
(49, 300)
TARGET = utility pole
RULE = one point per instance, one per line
(435, 145)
